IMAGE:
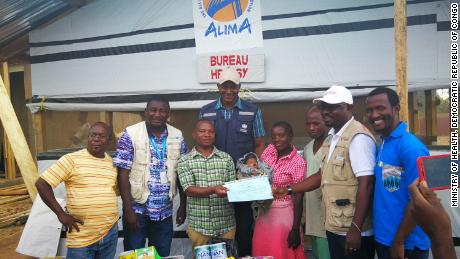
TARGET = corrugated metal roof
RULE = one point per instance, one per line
(18, 17)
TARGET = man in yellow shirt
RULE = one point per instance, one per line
(91, 213)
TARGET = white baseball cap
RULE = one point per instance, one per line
(336, 94)
(229, 75)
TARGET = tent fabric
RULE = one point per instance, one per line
(123, 48)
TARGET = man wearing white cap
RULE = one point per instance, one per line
(346, 178)
(239, 130)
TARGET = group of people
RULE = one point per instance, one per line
(358, 195)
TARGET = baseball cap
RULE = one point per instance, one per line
(229, 75)
(336, 94)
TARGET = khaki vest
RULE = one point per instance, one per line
(339, 182)
(140, 171)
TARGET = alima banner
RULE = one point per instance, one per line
(223, 25)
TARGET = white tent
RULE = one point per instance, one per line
(112, 54)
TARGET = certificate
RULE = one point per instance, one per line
(249, 189)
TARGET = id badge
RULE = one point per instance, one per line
(163, 177)
(155, 161)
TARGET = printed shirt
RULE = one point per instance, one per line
(91, 185)
(158, 205)
(258, 130)
(211, 216)
(395, 170)
(287, 170)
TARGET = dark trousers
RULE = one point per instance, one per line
(337, 247)
(158, 233)
(383, 252)
(244, 227)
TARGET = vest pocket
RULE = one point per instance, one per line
(136, 180)
(244, 128)
(141, 156)
(340, 216)
(136, 191)
(173, 150)
(338, 173)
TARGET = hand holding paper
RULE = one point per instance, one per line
(249, 189)
(220, 191)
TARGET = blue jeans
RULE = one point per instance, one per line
(383, 252)
(159, 234)
(102, 249)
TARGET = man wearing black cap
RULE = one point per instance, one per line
(239, 130)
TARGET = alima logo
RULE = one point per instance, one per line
(225, 10)
(228, 16)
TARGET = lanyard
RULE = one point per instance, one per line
(379, 162)
(161, 155)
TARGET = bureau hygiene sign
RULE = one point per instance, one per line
(223, 25)
(249, 66)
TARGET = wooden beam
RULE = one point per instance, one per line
(14, 48)
(412, 111)
(18, 142)
(39, 132)
(429, 114)
(434, 113)
(31, 138)
(400, 25)
(106, 117)
(10, 163)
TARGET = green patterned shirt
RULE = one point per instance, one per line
(210, 216)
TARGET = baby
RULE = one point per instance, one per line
(251, 161)
(250, 165)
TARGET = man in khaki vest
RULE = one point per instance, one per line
(146, 158)
(346, 178)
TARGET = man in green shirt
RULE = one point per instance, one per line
(202, 174)
(314, 208)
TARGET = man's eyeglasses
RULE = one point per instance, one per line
(95, 136)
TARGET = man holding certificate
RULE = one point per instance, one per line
(202, 174)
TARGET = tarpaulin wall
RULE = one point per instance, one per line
(113, 54)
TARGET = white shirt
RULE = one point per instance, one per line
(362, 156)
(362, 151)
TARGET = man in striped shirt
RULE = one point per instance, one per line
(91, 213)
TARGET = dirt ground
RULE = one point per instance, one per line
(9, 238)
(10, 212)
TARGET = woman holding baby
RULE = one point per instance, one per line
(278, 232)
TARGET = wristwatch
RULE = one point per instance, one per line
(289, 189)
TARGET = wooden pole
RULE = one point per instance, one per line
(39, 131)
(37, 135)
(430, 110)
(31, 138)
(10, 163)
(400, 25)
(18, 142)
(105, 117)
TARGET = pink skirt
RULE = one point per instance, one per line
(271, 233)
